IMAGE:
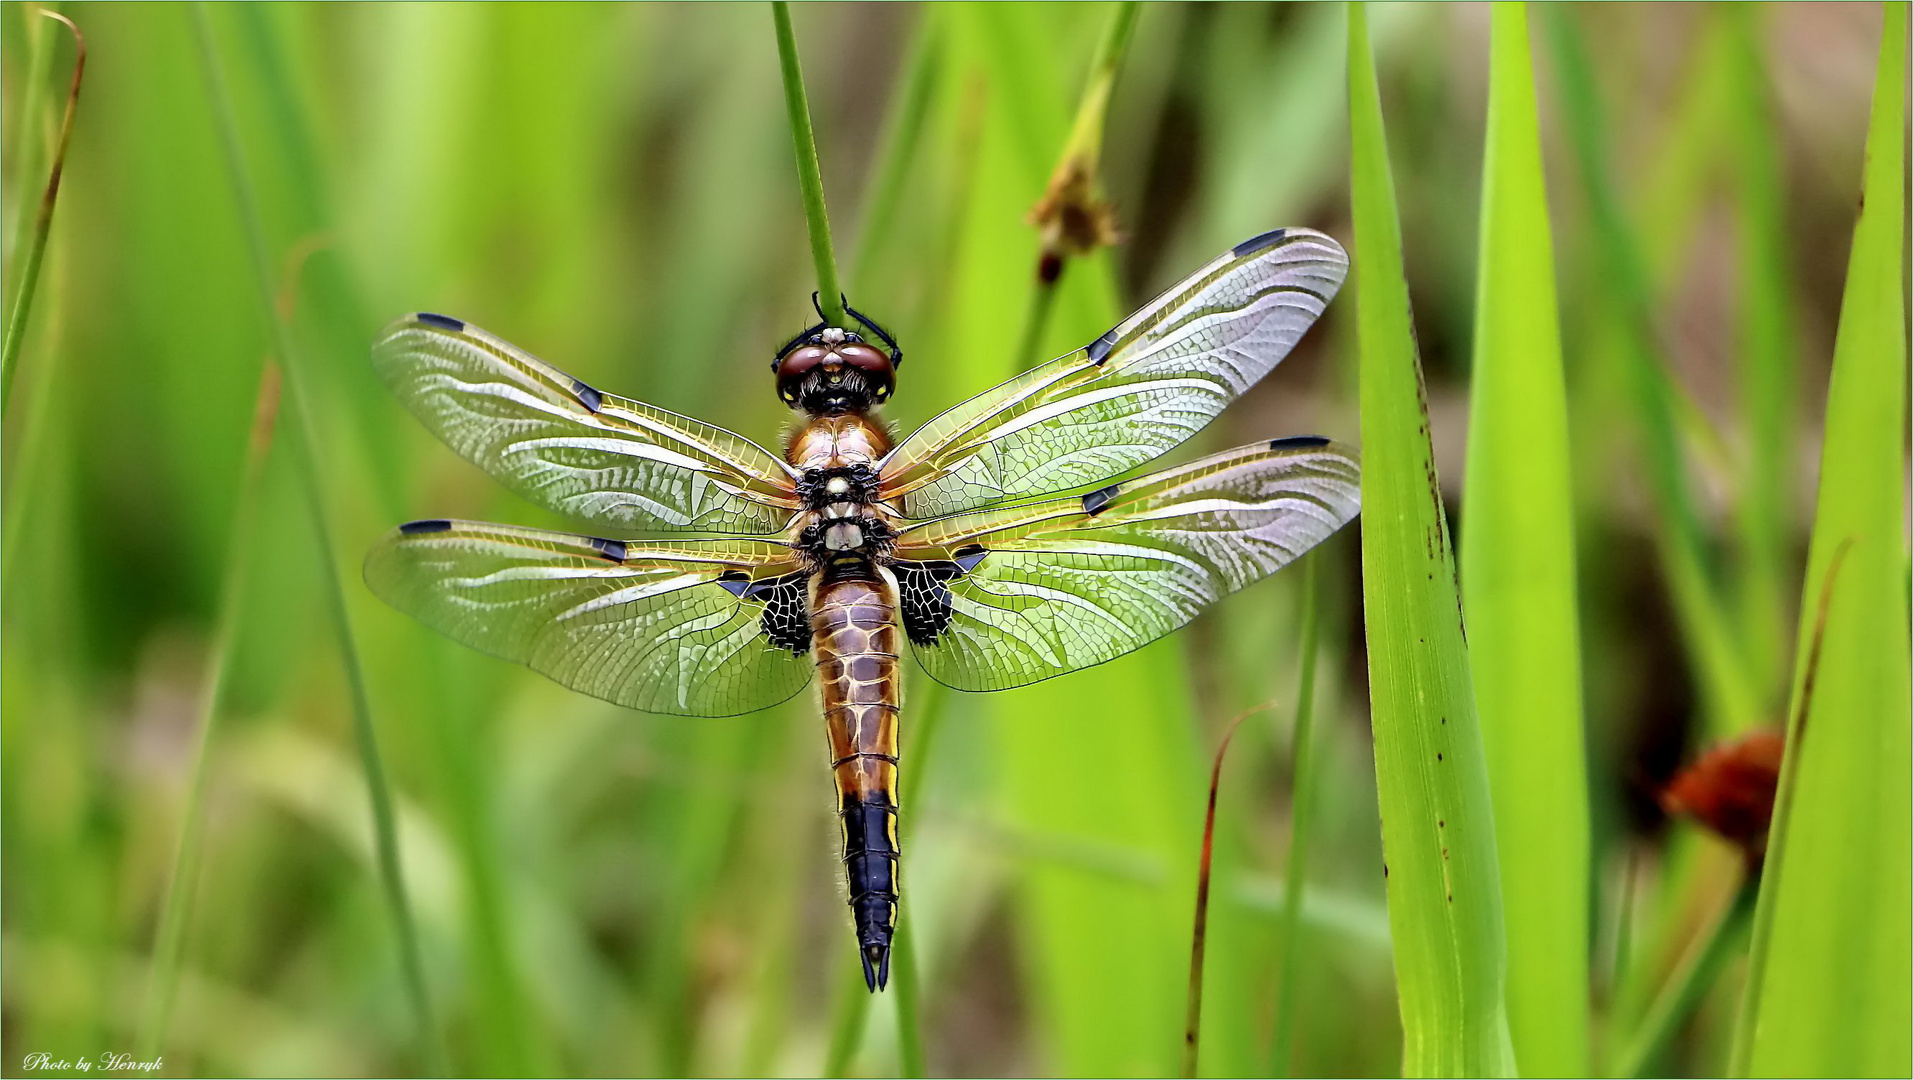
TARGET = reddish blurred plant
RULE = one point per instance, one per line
(1730, 790)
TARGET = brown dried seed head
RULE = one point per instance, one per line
(1074, 221)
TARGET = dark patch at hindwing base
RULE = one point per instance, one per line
(786, 618)
(923, 592)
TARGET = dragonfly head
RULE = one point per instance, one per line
(832, 370)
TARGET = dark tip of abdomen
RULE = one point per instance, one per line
(876, 966)
(870, 868)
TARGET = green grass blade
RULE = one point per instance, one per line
(305, 454)
(1768, 382)
(1830, 979)
(1688, 984)
(1518, 571)
(849, 1018)
(1199, 933)
(1444, 899)
(810, 176)
(170, 943)
(903, 134)
(28, 277)
(1726, 693)
(1301, 794)
(26, 143)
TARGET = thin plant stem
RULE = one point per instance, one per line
(1686, 986)
(303, 446)
(29, 274)
(214, 683)
(1036, 322)
(1073, 219)
(910, 1051)
(1301, 792)
(910, 1055)
(1623, 938)
(903, 130)
(847, 1025)
(29, 139)
(1199, 932)
(809, 175)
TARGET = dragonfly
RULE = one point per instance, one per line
(999, 539)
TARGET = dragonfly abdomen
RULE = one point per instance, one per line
(855, 638)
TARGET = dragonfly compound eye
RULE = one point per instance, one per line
(794, 366)
(874, 363)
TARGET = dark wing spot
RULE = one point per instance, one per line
(587, 394)
(432, 525)
(1094, 502)
(610, 549)
(735, 582)
(1256, 243)
(1297, 442)
(443, 322)
(1099, 349)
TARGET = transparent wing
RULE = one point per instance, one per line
(665, 628)
(604, 460)
(1132, 394)
(1005, 597)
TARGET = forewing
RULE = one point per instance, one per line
(1005, 597)
(601, 459)
(1131, 395)
(661, 627)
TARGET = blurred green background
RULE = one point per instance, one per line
(612, 187)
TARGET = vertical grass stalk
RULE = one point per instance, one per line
(305, 455)
(1768, 381)
(903, 131)
(1199, 933)
(28, 274)
(170, 943)
(1438, 839)
(810, 178)
(1072, 216)
(1687, 985)
(1518, 573)
(1726, 692)
(1301, 796)
(1830, 973)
